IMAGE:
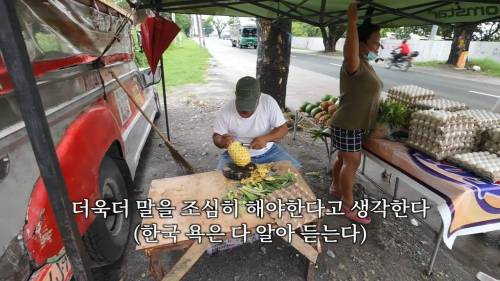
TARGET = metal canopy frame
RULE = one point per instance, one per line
(300, 12)
(28, 98)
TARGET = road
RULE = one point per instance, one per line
(461, 87)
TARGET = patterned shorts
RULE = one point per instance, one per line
(347, 140)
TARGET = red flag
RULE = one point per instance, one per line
(156, 35)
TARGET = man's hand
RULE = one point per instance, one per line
(258, 143)
(226, 140)
(222, 141)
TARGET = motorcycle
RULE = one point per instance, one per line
(399, 61)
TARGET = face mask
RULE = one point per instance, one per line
(371, 56)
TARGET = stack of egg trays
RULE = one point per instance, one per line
(441, 104)
(483, 164)
(484, 120)
(409, 95)
(441, 134)
(491, 140)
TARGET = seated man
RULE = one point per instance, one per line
(254, 119)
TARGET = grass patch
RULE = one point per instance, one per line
(429, 63)
(185, 63)
(488, 66)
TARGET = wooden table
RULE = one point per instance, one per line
(202, 187)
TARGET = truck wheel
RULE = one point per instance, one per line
(106, 238)
(241, 46)
(233, 43)
(255, 46)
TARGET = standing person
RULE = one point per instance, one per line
(253, 119)
(360, 89)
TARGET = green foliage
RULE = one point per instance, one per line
(207, 25)
(301, 29)
(488, 66)
(489, 31)
(184, 22)
(404, 32)
(139, 56)
(319, 133)
(393, 114)
(185, 63)
(445, 31)
(429, 63)
(47, 42)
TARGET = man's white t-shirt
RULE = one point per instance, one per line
(266, 117)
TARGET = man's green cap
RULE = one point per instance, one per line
(247, 94)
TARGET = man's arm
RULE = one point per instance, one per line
(275, 135)
(222, 141)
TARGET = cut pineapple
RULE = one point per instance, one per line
(259, 174)
(239, 154)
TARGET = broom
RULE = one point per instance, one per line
(181, 161)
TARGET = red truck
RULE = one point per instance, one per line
(99, 135)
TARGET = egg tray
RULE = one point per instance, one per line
(441, 104)
(441, 134)
(409, 94)
(294, 192)
(483, 164)
(437, 153)
(484, 119)
(490, 140)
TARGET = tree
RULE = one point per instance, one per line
(184, 22)
(331, 34)
(404, 32)
(301, 29)
(207, 26)
(273, 57)
(462, 35)
(219, 24)
(233, 20)
(487, 32)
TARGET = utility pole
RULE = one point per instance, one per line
(200, 30)
(434, 31)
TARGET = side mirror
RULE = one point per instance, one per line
(139, 41)
(149, 79)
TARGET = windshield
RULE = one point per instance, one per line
(249, 32)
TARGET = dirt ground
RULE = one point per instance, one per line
(395, 249)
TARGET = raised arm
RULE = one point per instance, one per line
(351, 46)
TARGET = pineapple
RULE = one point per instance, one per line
(239, 154)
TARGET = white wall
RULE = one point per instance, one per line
(428, 50)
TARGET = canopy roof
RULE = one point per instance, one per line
(324, 12)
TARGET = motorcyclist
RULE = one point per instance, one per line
(404, 50)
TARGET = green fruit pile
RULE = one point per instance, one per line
(322, 111)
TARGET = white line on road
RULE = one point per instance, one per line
(335, 64)
(294, 56)
(490, 95)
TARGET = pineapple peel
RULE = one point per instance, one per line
(259, 174)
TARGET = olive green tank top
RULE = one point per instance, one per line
(359, 98)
